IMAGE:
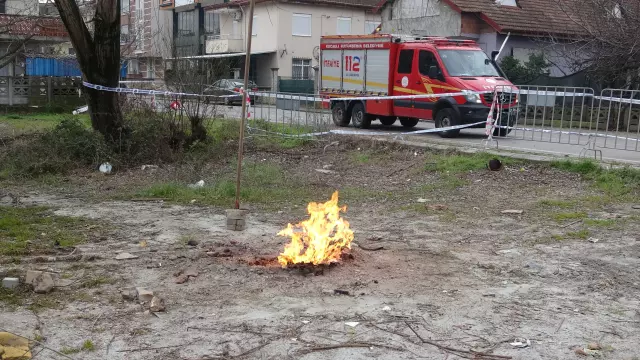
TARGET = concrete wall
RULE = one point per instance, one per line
(418, 17)
(23, 7)
(161, 31)
(324, 21)
(520, 47)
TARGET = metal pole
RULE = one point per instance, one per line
(243, 117)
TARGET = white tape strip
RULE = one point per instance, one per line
(372, 133)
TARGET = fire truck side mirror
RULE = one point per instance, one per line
(494, 54)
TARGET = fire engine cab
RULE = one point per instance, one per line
(382, 65)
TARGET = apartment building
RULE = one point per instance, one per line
(285, 37)
(146, 38)
(29, 28)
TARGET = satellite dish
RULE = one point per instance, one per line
(316, 52)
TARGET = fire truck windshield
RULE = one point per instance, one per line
(467, 63)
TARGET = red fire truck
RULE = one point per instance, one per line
(381, 65)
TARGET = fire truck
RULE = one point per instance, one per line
(375, 66)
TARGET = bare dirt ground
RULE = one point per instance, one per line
(438, 270)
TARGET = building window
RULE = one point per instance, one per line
(235, 29)
(254, 26)
(370, 27)
(151, 68)
(344, 26)
(3, 6)
(212, 23)
(133, 67)
(301, 69)
(301, 25)
(186, 23)
(124, 34)
(124, 7)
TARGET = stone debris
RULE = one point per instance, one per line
(125, 256)
(513, 212)
(130, 294)
(43, 283)
(144, 295)
(13, 347)
(157, 305)
(181, 279)
(10, 283)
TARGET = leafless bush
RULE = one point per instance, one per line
(606, 43)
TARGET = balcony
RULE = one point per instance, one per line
(220, 44)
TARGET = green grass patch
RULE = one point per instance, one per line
(36, 230)
(262, 184)
(444, 183)
(456, 163)
(562, 204)
(618, 182)
(17, 124)
(88, 345)
(603, 223)
(284, 136)
(560, 217)
(580, 234)
(362, 158)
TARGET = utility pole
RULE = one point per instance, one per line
(247, 66)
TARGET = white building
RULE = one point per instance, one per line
(286, 35)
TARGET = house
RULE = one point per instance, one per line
(145, 37)
(27, 30)
(285, 36)
(531, 23)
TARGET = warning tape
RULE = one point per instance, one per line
(259, 93)
(356, 132)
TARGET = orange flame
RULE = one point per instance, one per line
(320, 239)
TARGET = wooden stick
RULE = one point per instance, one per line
(354, 345)
(454, 350)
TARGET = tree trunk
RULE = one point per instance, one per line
(99, 60)
(106, 115)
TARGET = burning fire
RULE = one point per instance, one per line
(320, 239)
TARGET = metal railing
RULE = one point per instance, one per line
(573, 116)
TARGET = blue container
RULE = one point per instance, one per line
(52, 67)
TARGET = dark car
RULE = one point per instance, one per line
(227, 91)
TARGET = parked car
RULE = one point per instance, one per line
(227, 91)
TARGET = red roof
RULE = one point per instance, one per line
(541, 17)
(370, 4)
(530, 16)
(20, 25)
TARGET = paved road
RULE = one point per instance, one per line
(620, 149)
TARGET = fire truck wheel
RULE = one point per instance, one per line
(388, 120)
(340, 115)
(359, 117)
(447, 117)
(409, 122)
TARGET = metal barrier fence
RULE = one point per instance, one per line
(573, 116)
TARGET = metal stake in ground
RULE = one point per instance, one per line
(243, 118)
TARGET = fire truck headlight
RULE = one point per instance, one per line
(472, 97)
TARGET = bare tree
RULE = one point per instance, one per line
(606, 44)
(98, 54)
